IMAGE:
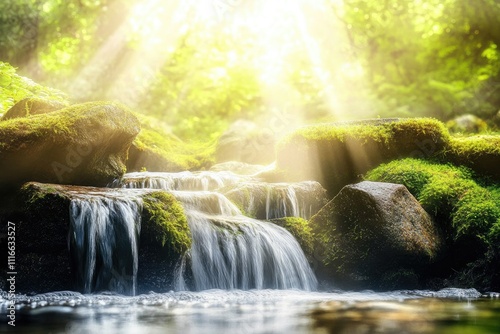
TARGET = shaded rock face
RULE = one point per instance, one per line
(246, 142)
(32, 106)
(84, 144)
(372, 233)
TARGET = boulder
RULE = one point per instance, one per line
(157, 149)
(32, 106)
(41, 216)
(337, 154)
(372, 229)
(246, 142)
(467, 123)
(84, 144)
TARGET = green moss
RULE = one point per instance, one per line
(300, 229)
(14, 88)
(33, 106)
(336, 154)
(164, 219)
(157, 149)
(481, 153)
(450, 193)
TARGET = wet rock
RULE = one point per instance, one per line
(371, 229)
(84, 144)
(45, 249)
(246, 142)
(277, 200)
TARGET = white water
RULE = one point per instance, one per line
(229, 250)
(103, 241)
(242, 253)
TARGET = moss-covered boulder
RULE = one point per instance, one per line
(466, 208)
(467, 123)
(337, 154)
(371, 229)
(32, 106)
(156, 149)
(165, 237)
(247, 142)
(85, 144)
(481, 153)
(41, 214)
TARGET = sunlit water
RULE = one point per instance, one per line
(258, 311)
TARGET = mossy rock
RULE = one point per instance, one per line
(165, 237)
(371, 228)
(467, 123)
(481, 153)
(156, 149)
(467, 209)
(247, 142)
(300, 229)
(85, 144)
(32, 106)
(42, 217)
(336, 154)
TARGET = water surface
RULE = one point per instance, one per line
(258, 311)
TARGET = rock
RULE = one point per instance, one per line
(481, 153)
(32, 106)
(41, 215)
(337, 154)
(156, 149)
(467, 123)
(246, 142)
(84, 144)
(277, 200)
(370, 229)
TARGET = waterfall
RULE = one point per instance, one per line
(103, 241)
(178, 181)
(243, 253)
(230, 250)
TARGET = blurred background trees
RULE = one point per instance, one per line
(201, 65)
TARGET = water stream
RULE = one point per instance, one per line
(241, 275)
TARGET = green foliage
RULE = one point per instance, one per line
(14, 88)
(166, 221)
(450, 193)
(428, 57)
(205, 84)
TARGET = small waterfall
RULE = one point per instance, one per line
(277, 200)
(178, 181)
(103, 241)
(243, 253)
(230, 250)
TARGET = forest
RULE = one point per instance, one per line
(199, 66)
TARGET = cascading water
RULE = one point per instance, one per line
(242, 253)
(103, 241)
(229, 250)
